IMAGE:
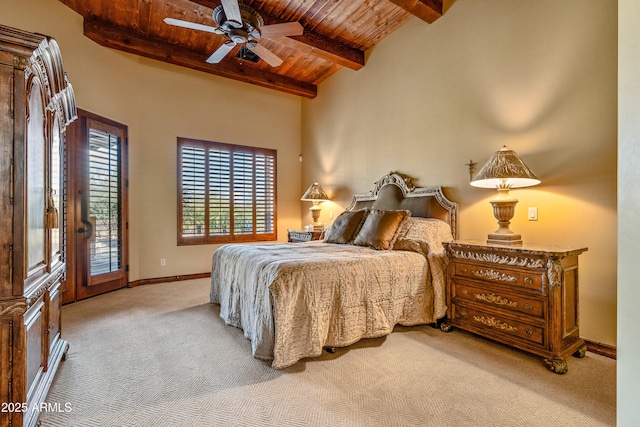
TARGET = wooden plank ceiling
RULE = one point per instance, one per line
(336, 34)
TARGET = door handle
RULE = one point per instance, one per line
(87, 228)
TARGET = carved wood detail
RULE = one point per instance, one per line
(496, 299)
(517, 261)
(494, 323)
(11, 309)
(494, 275)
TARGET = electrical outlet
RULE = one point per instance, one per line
(330, 214)
(533, 214)
(163, 262)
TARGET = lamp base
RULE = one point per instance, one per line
(501, 239)
(504, 207)
(318, 226)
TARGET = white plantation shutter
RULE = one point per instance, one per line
(226, 192)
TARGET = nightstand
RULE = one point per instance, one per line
(524, 296)
(296, 236)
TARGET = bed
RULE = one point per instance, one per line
(380, 264)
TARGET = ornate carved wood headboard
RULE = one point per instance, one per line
(395, 192)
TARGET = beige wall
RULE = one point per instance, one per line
(628, 208)
(539, 77)
(159, 102)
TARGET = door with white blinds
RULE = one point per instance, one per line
(226, 193)
(100, 217)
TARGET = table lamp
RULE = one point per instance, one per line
(315, 194)
(504, 170)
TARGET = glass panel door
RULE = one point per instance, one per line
(98, 189)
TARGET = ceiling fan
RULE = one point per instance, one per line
(242, 25)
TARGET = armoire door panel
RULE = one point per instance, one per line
(54, 314)
(34, 321)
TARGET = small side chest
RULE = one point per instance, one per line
(525, 296)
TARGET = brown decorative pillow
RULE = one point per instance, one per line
(345, 227)
(380, 229)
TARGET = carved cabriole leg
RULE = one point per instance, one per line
(330, 349)
(438, 323)
(581, 352)
(559, 366)
(445, 327)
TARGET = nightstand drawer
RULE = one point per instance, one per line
(499, 299)
(496, 324)
(526, 279)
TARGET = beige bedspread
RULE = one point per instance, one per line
(291, 300)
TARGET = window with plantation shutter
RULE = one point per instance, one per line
(226, 193)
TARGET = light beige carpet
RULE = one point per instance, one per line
(159, 355)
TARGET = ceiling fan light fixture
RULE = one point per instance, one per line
(246, 54)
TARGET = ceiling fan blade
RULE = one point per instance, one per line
(264, 53)
(221, 52)
(232, 11)
(191, 25)
(284, 29)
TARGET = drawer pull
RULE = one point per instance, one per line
(528, 280)
(494, 323)
(464, 269)
(463, 313)
(528, 307)
(528, 332)
(464, 292)
(496, 299)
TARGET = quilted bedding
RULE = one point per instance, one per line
(293, 299)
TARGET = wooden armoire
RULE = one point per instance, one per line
(36, 105)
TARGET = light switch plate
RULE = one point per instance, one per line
(533, 214)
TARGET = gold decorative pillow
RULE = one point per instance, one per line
(430, 230)
(345, 227)
(380, 229)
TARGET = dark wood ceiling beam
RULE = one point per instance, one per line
(427, 10)
(108, 35)
(321, 47)
(310, 42)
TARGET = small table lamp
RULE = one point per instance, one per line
(504, 170)
(315, 194)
